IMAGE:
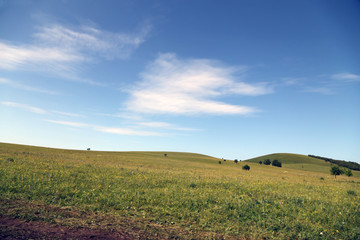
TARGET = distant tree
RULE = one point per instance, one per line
(276, 163)
(246, 167)
(224, 160)
(165, 154)
(236, 161)
(260, 162)
(335, 170)
(267, 162)
(219, 162)
(88, 149)
(348, 172)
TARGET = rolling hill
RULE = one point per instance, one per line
(299, 162)
(147, 195)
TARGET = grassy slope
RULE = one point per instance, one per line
(191, 194)
(299, 162)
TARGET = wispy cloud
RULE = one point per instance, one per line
(38, 110)
(25, 107)
(127, 131)
(68, 114)
(326, 84)
(22, 86)
(63, 51)
(165, 125)
(321, 90)
(348, 77)
(291, 81)
(113, 130)
(68, 123)
(88, 40)
(42, 57)
(175, 86)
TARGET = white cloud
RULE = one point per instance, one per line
(13, 57)
(176, 86)
(63, 51)
(289, 81)
(126, 131)
(113, 130)
(349, 77)
(25, 87)
(68, 114)
(68, 123)
(322, 90)
(165, 125)
(25, 107)
(89, 40)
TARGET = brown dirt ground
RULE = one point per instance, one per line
(12, 228)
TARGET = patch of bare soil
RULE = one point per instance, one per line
(21, 219)
(12, 228)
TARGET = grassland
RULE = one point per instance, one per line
(183, 195)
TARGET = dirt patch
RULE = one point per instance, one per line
(21, 219)
(12, 228)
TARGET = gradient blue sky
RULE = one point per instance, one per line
(231, 79)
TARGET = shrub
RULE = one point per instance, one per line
(219, 162)
(267, 162)
(348, 172)
(351, 192)
(276, 163)
(246, 167)
(260, 162)
(10, 159)
(193, 185)
(321, 178)
(236, 161)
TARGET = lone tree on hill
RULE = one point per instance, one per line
(335, 170)
(276, 163)
(246, 167)
(267, 162)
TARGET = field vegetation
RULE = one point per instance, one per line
(181, 195)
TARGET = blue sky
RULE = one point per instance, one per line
(230, 79)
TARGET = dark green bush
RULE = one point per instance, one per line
(351, 192)
(276, 163)
(192, 185)
(246, 167)
(267, 162)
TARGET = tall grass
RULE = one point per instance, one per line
(189, 191)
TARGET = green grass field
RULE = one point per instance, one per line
(182, 196)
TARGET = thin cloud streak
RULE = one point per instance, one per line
(18, 85)
(165, 125)
(68, 114)
(348, 77)
(25, 107)
(113, 130)
(174, 86)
